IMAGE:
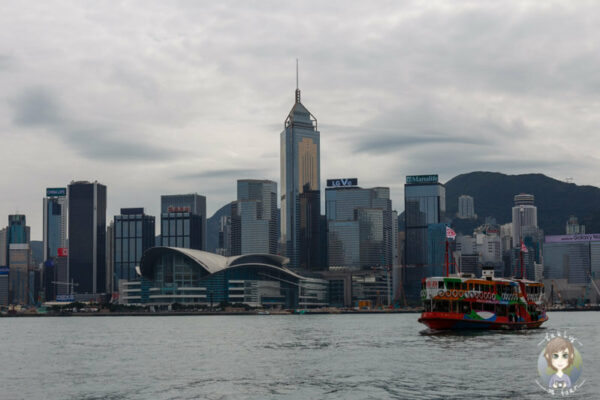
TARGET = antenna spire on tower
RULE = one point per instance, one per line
(297, 88)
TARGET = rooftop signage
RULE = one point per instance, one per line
(343, 182)
(416, 179)
(56, 192)
(172, 209)
(592, 237)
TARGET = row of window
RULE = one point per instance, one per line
(481, 287)
(501, 310)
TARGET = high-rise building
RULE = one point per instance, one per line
(524, 214)
(3, 247)
(87, 236)
(300, 186)
(424, 204)
(183, 221)
(573, 227)
(254, 217)
(225, 235)
(133, 235)
(466, 207)
(55, 222)
(19, 255)
(360, 226)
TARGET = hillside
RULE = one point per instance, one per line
(556, 200)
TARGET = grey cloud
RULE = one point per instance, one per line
(39, 107)
(226, 173)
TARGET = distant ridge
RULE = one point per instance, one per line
(556, 200)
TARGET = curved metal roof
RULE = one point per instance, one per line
(211, 262)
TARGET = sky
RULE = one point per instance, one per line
(167, 97)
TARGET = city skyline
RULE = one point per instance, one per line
(179, 104)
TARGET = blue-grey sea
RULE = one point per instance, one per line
(278, 357)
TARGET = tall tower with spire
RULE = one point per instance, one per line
(300, 186)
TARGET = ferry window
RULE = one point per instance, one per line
(463, 286)
(476, 306)
(501, 310)
(512, 309)
(465, 307)
(488, 307)
(440, 285)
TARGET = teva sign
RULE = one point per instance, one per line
(413, 179)
(344, 182)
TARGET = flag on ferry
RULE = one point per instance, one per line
(523, 247)
(450, 234)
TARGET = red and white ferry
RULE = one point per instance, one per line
(462, 301)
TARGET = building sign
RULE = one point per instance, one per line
(3, 271)
(56, 192)
(63, 252)
(172, 209)
(344, 182)
(591, 237)
(416, 179)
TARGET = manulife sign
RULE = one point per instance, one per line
(416, 179)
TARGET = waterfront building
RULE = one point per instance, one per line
(87, 237)
(361, 226)
(424, 204)
(466, 207)
(186, 276)
(3, 247)
(572, 257)
(183, 221)
(19, 255)
(254, 217)
(573, 227)
(110, 258)
(300, 187)
(524, 215)
(436, 251)
(133, 235)
(4, 286)
(55, 222)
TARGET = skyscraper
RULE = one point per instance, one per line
(254, 217)
(424, 204)
(133, 234)
(466, 207)
(55, 222)
(183, 221)
(360, 226)
(87, 236)
(524, 215)
(300, 186)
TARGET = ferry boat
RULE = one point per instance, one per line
(462, 301)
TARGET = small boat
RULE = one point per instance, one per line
(263, 312)
(462, 301)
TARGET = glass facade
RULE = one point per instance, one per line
(360, 227)
(572, 261)
(87, 236)
(300, 173)
(133, 234)
(206, 278)
(55, 225)
(182, 230)
(172, 208)
(254, 217)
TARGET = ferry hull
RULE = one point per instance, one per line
(459, 322)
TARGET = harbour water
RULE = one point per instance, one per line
(278, 357)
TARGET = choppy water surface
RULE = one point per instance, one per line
(276, 357)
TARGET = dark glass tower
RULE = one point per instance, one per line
(87, 237)
(300, 186)
(183, 221)
(133, 235)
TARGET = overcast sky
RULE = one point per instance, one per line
(168, 97)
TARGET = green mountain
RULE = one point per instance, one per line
(494, 192)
